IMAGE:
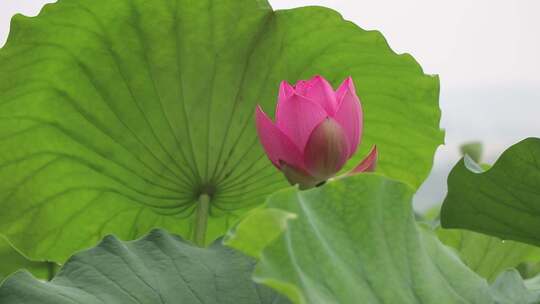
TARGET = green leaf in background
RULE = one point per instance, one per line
(117, 116)
(473, 149)
(509, 288)
(355, 241)
(529, 270)
(159, 268)
(11, 260)
(488, 256)
(503, 201)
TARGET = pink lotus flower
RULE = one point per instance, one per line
(316, 131)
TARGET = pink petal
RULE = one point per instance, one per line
(285, 91)
(349, 114)
(368, 164)
(278, 146)
(301, 86)
(327, 150)
(297, 117)
(320, 91)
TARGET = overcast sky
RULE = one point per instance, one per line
(486, 52)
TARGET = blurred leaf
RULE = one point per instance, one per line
(533, 283)
(503, 201)
(473, 149)
(160, 268)
(510, 289)
(529, 270)
(115, 116)
(432, 214)
(488, 256)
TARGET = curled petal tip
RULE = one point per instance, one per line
(347, 84)
(299, 84)
(368, 164)
(285, 85)
(285, 91)
(260, 116)
(319, 90)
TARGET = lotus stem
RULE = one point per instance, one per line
(201, 220)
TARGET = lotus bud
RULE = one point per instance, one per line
(316, 131)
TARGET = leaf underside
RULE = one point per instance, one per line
(115, 116)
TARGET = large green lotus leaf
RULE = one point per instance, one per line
(509, 288)
(355, 240)
(503, 201)
(487, 255)
(115, 116)
(159, 268)
(12, 260)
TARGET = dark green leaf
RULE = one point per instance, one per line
(503, 201)
(160, 268)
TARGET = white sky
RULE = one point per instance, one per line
(487, 53)
(466, 42)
